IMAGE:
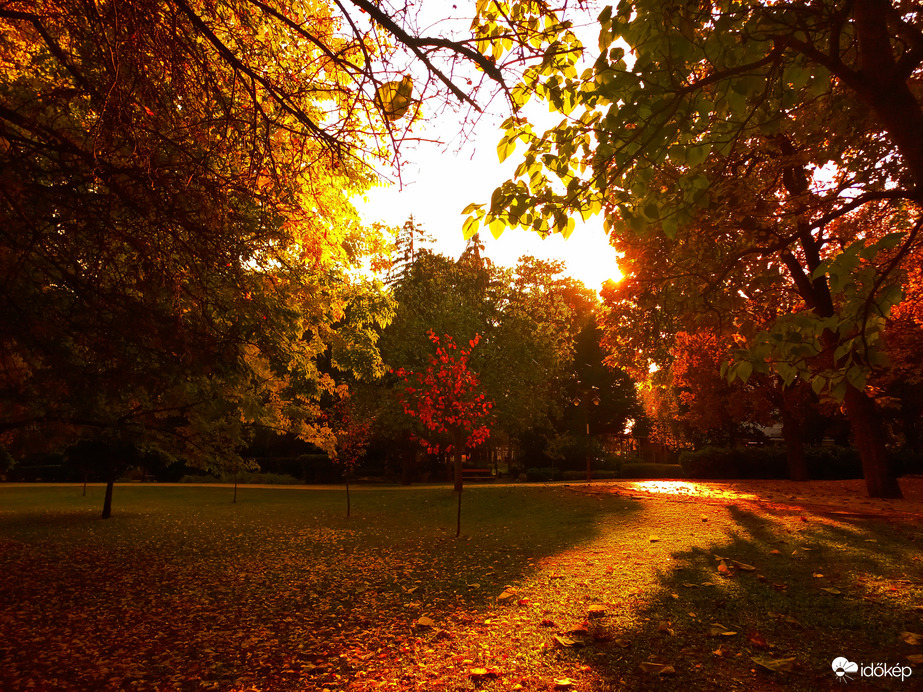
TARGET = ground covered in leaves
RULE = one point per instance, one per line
(601, 587)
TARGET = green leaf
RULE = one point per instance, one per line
(744, 370)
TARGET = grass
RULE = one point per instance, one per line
(181, 589)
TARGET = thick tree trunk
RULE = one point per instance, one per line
(107, 503)
(869, 438)
(793, 435)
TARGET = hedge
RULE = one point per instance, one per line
(824, 463)
(648, 470)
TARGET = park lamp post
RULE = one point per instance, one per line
(586, 396)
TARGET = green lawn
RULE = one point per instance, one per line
(181, 589)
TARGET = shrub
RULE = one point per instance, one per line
(824, 463)
(544, 473)
(245, 478)
(646, 470)
(602, 474)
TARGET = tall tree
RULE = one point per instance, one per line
(713, 96)
(175, 226)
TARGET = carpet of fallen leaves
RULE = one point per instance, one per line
(600, 587)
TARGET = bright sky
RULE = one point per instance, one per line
(440, 182)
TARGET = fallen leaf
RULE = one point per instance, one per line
(817, 575)
(547, 623)
(621, 643)
(425, 622)
(654, 539)
(506, 596)
(835, 592)
(757, 639)
(664, 627)
(776, 665)
(704, 518)
(564, 683)
(916, 659)
(596, 611)
(745, 567)
(723, 569)
(483, 673)
(911, 638)
(658, 668)
(568, 642)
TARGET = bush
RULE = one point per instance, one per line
(824, 463)
(601, 474)
(645, 470)
(245, 478)
(543, 474)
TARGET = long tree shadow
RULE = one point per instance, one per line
(770, 608)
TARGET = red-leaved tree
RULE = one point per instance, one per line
(447, 399)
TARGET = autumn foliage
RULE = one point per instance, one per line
(446, 397)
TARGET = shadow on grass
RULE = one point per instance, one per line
(807, 588)
(280, 591)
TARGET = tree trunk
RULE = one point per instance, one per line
(347, 494)
(793, 435)
(457, 467)
(408, 462)
(458, 480)
(107, 503)
(869, 438)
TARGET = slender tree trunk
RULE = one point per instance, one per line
(235, 486)
(347, 493)
(458, 480)
(793, 435)
(868, 435)
(107, 503)
(457, 467)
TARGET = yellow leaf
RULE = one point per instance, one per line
(394, 98)
(658, 668)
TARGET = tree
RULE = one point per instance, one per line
(721, 98)
(448, 401)
(352, 429)
(176, 226)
